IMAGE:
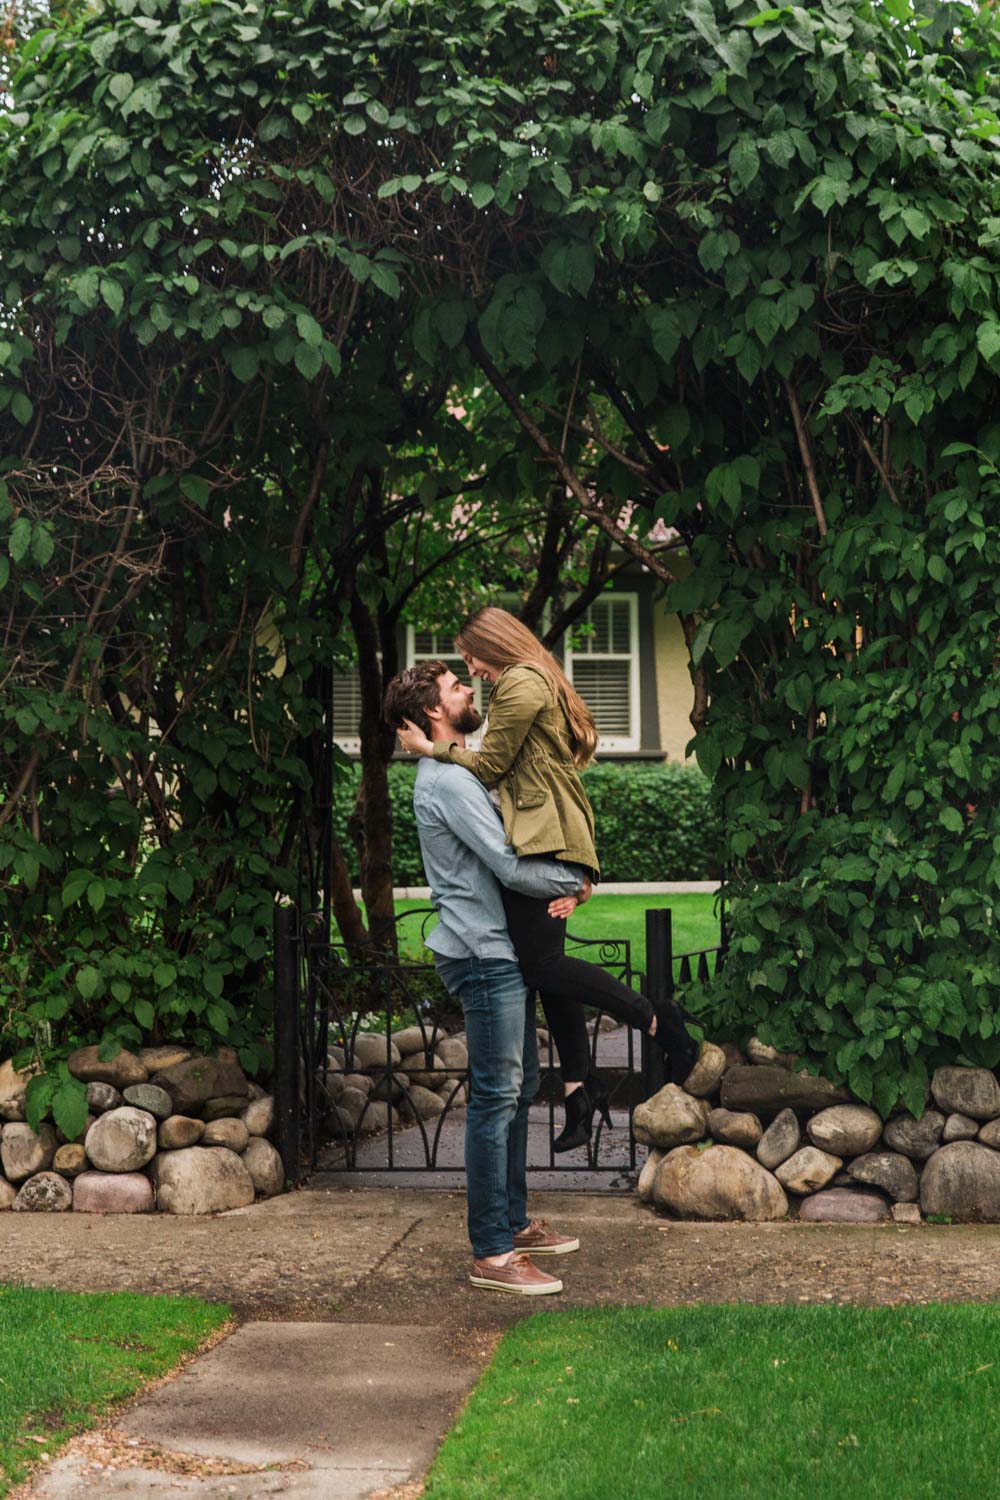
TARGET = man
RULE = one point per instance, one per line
(466, 859)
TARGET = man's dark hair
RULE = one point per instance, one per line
(412, 692)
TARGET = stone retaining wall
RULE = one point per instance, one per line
(753, 1138)
(168, 1130)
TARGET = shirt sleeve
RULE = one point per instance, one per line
(470, 817)
(519, 699)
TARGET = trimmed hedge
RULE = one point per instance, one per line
(654, 822)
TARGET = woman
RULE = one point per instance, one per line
(539, 735)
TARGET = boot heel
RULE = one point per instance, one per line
(605, 1112)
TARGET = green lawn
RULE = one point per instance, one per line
(695, 921)
(770, 1403)
(66, 1357)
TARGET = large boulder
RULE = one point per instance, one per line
(370, 1052)
(150, 1097)
(706, 1075)
(23, 1152)
(426, 1070)
(201, 1180)
(454, 1054)
(717, 1182)
(13, 1084)
(113, 1193)
(767, 1090)
(670, 1118)
(416, 1039)
(734, 1128)
(764, 1055)
(962, 1180)
(913, 1137)
(644, 1187)
(179, 1131)
(844, 1206)
(267, 1172)
(121, 1071)
(889, 1170)
(155, 1059)
(122, 1140)
(422, 1103)
(967, 1091)
(780, 1140)
(225, 1107)
(808, 1170)
(258, 1117)
(193, 1082)
(45, 1193)
(845, 1129)
(227, 1132)
(377, 1116)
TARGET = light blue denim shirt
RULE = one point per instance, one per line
(466, 859)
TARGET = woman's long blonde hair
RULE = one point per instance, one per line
(500, 640)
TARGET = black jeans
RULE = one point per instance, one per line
(564, 984)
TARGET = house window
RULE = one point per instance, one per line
(347, 710)
(603, 666)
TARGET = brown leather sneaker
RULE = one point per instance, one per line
(518, 1275)
(539, 1238)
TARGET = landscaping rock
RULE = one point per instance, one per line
(962, 1180)
(258, 1117)
(845, 1129)
(155, 1059)
(201, 1180)
(45, 1193)
(844, 1206)
(670, 1118)
(8, 1193)
(916, 1138)
(906, 1213)
(227, 1132)
(265, 1167)
(113, 1193)
(888, 1170)
(150, 1097)
(428, 1072)
(762, 1055)
(808, 1170)
(225, 1107)
(718, 1182)
(358, 1081)
(780, 1140)
(102, 1096)
(178, 1132)
(644, 1187)
(454, 1054)
(23, 1153)
(120, 1071)
(454, 1094)
(388, 1087)
(990, 1134)
(766, 1090)
(376, 1117)
(198, 1079)
(12, 1090)
(370, 1052)
(122, 1140)
(415, 1039)
(70, 1160)
(732, 1128)
(706, 1075)
(967, 1091)
(351, 1105)
(959, 1128)
(335, 1058)
(422, 1103)
(734, 1057)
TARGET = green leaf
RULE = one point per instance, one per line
(244, 364)
(113, 295)
(38, 1098)
(744, 160)
(42, 544)
(951, 818)
(88, 980)
(988, 339)
(164, 976)
(20, 539)
(21, 408)
(450, 319)
(309, 330)
(144, 1014)
(481, 194)
(96, 895)
(69, 1107)
(308, 360)
(121, 86)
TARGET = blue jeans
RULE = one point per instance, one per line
(503, 1080)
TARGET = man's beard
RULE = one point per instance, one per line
(468, 721)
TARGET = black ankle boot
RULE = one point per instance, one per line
(680, 1051)
(581, 1105)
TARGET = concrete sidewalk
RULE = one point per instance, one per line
(361, 1333)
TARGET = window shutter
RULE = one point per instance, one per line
(603, 666)
(347, 708)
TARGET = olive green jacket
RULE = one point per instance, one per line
(527, 753)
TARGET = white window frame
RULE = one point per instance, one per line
(615, 744)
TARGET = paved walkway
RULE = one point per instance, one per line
(360, 1334)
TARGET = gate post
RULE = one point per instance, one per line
(286, 1041)
(659, 988)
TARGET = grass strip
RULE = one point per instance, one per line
(771, 1403)
(66, 1357)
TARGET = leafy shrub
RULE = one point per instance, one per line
(654, 822)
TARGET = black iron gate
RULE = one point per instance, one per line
(371, 1071)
